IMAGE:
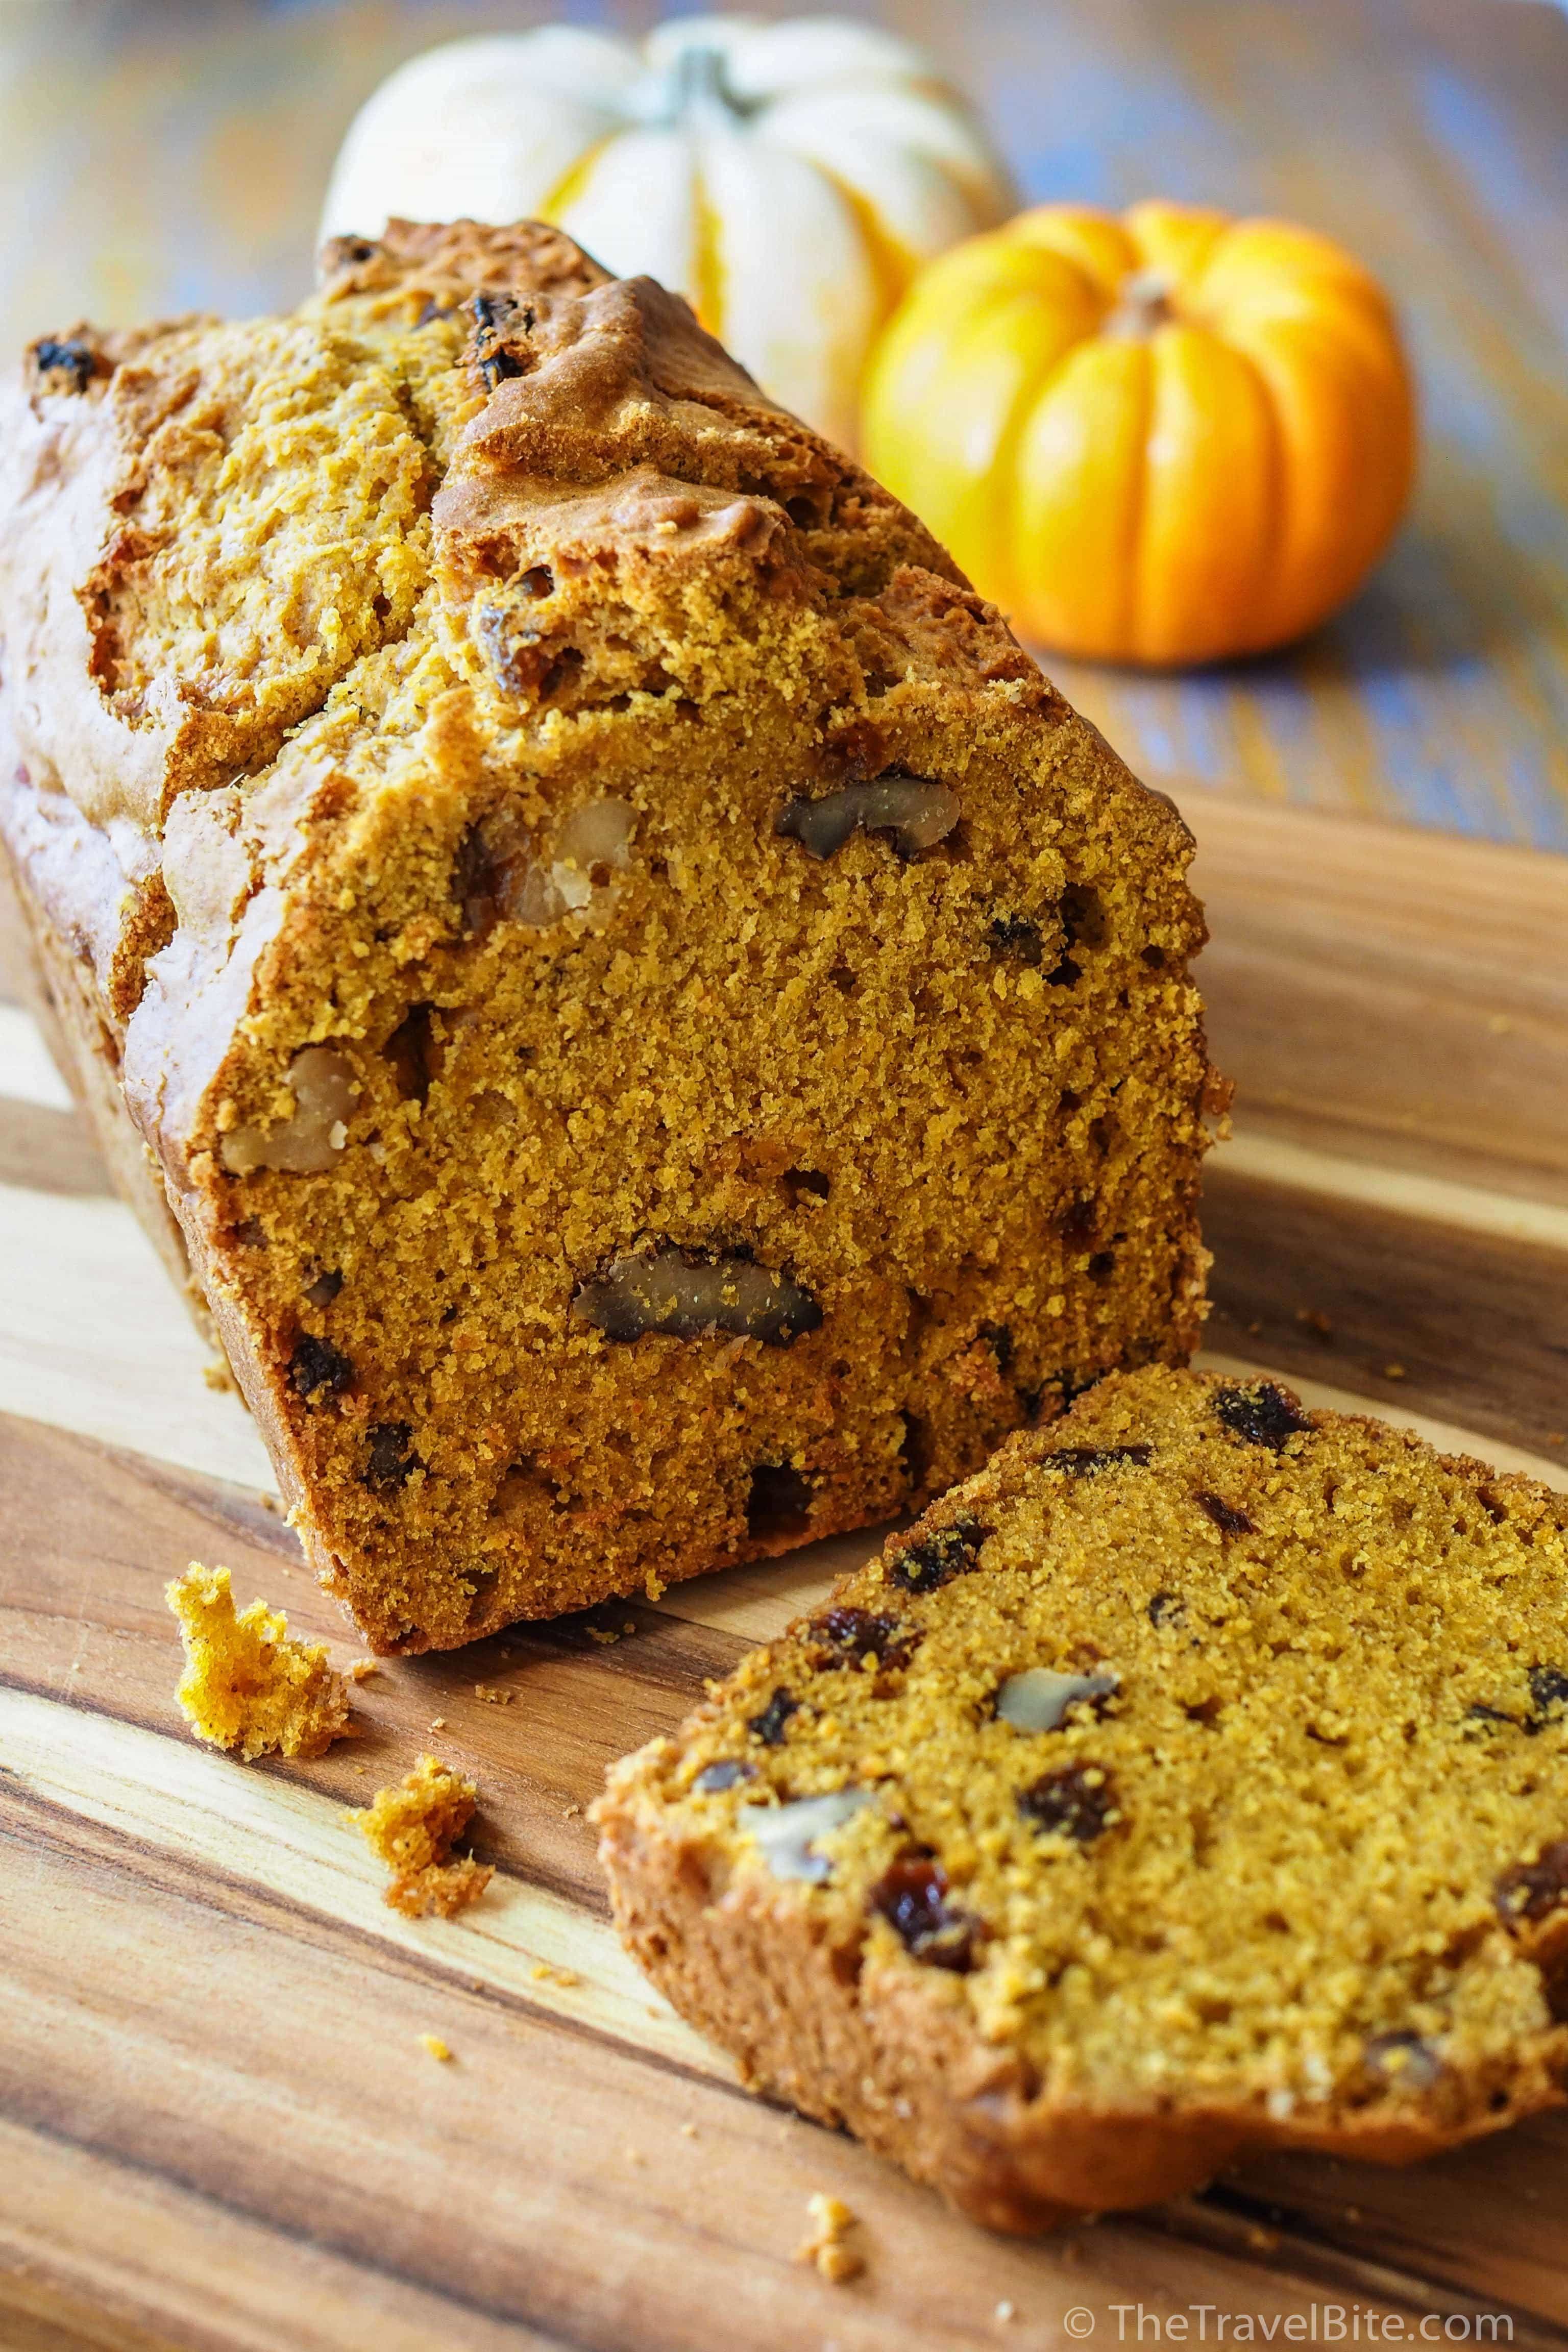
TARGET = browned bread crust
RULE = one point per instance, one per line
(539, 830)
(1194, 1778)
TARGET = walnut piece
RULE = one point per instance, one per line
(1038, 1699)
(681, 1295)
(787, 1833)
(312, 1139)
(915, 811)
(591, 847)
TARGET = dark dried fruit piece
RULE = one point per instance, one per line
(392, 1460)
(769, 1727)
(779, 1498)
(68, 361)
(316, 1364)
(414, 1053)
(1261, 1413)
(936, 1560)
(1548, 1693)
(682, 1295)
(851, 1634)
(500, 326)
(1226, 1517)
(1018, 939)
(915, 811)
(491, 869)
(1405, 2062)
(1068, 1803)
(1083, 916)
(999, 1339)
(728, 1773)
(1080, 1461)
(911, 1896)
(325, 1287)
(1083, 924)
(1166, 1609)
(1530, 1891)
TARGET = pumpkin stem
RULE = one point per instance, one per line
(697, 86)
(1142, 305)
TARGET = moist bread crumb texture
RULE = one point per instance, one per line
(247, 1685)
(664, 1035)
(412, 1828)
(1195, 1776)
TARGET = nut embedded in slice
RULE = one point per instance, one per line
(247, 1686)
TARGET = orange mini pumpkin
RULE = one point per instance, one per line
(1163, 438)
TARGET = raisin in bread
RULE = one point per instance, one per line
(1195, 1777)
(660, 1034)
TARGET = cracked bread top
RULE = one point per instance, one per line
(471, 485)
(212, 525)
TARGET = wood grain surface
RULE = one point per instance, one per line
(158, 156)
(219, 2128)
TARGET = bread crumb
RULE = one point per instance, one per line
(1262, 2240)
(688, 2131)
(411, 1829)
(601, 1634)
(493, 1696)
(436, 1723)
(830, 2217)
(437, 2047)
(571, 1811)
(1393, 1372)
(545, 1972)
(1315, 1320)
(1005, 2311)
(361, 1670)
(247, 1686)
(217, 1374)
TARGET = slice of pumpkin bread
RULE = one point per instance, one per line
(1195, 1777)
(663, 1035)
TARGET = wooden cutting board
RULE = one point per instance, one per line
(219, 2127)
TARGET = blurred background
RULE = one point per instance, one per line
(157, 156)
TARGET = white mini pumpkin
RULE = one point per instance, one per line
(789, 179)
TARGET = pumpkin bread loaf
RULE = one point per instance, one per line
(661, 1034)
(1195, 1777)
